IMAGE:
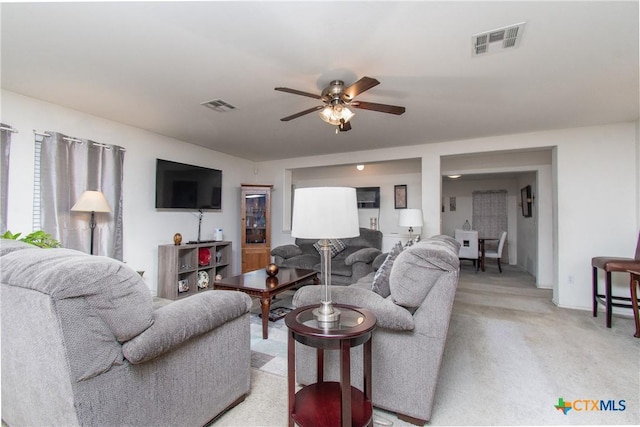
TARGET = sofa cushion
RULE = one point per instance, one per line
(286, 251)
(10, 245)
(335, 246)
(417, 269)
(365, 255)
(115, 293)
(306, 261)
(380, 283)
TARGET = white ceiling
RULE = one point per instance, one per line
(151, 64)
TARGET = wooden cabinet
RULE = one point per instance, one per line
(185, 270)
(255, 224)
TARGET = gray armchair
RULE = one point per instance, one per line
(347, 267)
(82, 345)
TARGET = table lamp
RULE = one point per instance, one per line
(325, 213)
(410, 218)
(91, 201)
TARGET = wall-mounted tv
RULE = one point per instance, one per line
(182, 186)
(368, 197)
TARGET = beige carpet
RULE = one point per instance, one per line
(510, 355)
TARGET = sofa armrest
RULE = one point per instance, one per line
(184, 319)
(388, 314)
(366, 255)
(379, 260)
(286, 251)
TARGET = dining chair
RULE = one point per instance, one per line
(610, 265)
(469, 249)
(497, 253)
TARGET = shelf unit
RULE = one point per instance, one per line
(178, 265)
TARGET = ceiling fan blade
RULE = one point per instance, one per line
(383, 108)
(344, 126)
(360, 86)
(298, 92)
(301, 113)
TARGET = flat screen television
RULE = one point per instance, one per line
(182, 186)
(368, 197)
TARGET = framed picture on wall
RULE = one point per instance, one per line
(400, 196)
(525, 196)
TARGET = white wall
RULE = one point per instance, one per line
(144, 227)
(387, 214)
(593, 210)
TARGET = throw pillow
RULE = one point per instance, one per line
(335, 245)
(412, 242)
(380, 283)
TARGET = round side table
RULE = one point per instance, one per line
(329, 403)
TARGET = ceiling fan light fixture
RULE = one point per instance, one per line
(336, 114)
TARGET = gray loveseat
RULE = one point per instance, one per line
(354, 262)
(82, 345)
(409, 340)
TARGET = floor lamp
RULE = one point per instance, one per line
(410, 218)
(91, 201)
(325, 213)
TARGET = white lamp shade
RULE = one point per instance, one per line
(410, 218)
(325, 213)
(91, 201)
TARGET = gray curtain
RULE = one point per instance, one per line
(5, 147)
(489, 212)
(68, 167)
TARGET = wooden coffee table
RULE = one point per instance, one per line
(259, 284)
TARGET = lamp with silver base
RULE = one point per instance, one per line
(91, 201)
(410, 218)
(325, 213)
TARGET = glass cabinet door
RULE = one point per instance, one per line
(255, 218)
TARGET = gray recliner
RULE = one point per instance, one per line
(82, 345)
(347, 267)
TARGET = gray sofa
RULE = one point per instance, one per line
(351, 264)
(82, 345)
(413, 320)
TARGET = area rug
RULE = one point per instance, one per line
(278, 313)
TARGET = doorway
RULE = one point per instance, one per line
(529, 238)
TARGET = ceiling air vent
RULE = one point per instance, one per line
(219, 105)
(497, 40)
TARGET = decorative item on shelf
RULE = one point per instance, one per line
(177, 239)
(218, 235)
(92, 201)
(183, 285)
(272, 269)
(272, 282)
(219, 257)
(204, 256)
(410, 218)
(203, 279)
(218, 276)
(466, 226)
(325, 213)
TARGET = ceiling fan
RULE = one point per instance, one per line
(337, 99)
